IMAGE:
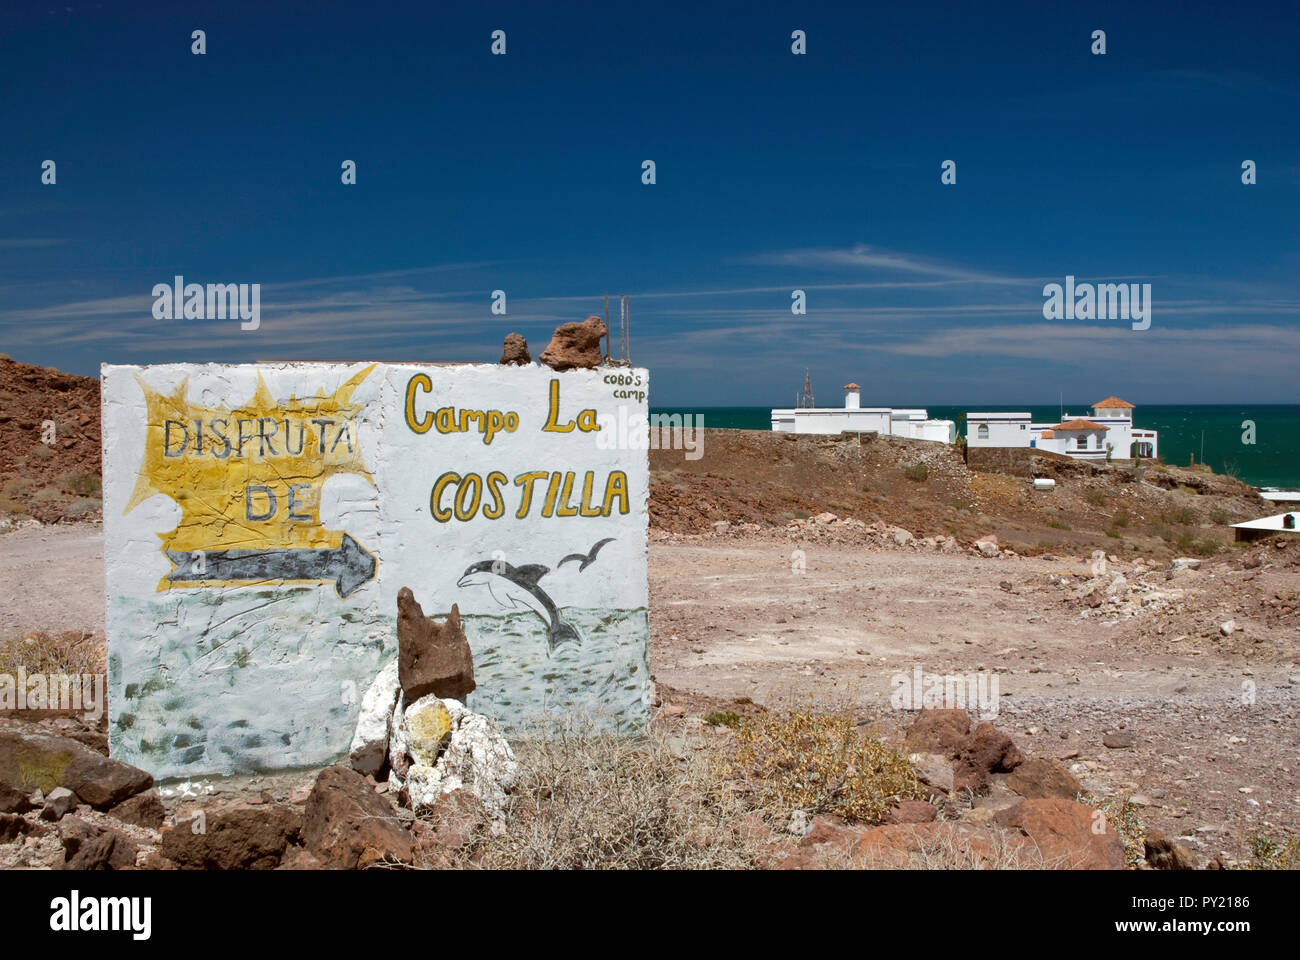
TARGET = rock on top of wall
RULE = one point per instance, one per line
(575, 345)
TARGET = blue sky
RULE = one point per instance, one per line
(774, 172)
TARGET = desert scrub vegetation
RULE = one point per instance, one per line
(72, 651)
(596, 801)
(1095, 497)
(822, 763)
(1268, 854)
(917, 472)
(82, 484)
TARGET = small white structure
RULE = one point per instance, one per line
(1267, 526)
(1281, 497)
(1108, 434)
(855, 418)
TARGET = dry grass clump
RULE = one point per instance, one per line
(823, 763)
(597, 801)
(67, 653)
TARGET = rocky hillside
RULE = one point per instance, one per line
(49, 444)
(762, 480)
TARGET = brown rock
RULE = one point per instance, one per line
(987, 750)
(243, 837)
(1162, 853)
(515, 351)
(88, 846)
(831, 830)
(903, 845)
(142, 810)
(13, 801)
(575, 345)
(299, 858)
(13, 826)
(911, 811)
(432, 658)
(449, 829)
(32, 758)
(1119, 739)
(345, 820)
(58, 804)
(1039, 778)
(1062, 830)
(938, 731)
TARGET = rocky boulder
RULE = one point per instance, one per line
(142, 810)
(87, 846)
(575, 345)
(449, 829)
(346, 825)
(33, 759)
(1039, 778)
(938, 731)
(1162, 853)
(1062, 830)
(244, 837)
(432, 658)
(14, 801)
(986, 751)
(370, 741)
(515, 351)
(472, 755)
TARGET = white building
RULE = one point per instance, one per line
(1108, 434)
(855, 418)
(1267, 526)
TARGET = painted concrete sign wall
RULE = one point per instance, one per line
(260, 520)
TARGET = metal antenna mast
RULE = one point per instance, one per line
(806, 398)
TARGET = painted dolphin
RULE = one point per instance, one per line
(587, 558)
(517, 587)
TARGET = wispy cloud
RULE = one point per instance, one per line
(864, 257)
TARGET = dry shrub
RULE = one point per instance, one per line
(1268, 854)
(72, 651)
(824, 763)
(82, 484)
(598, 801)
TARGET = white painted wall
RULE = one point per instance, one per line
(1004, 429)
(219, 677)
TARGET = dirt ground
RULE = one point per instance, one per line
(1215, 757)
(731, 619)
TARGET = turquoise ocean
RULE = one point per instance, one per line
(1273, 460)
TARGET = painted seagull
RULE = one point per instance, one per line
(587, 559)
(515, 587)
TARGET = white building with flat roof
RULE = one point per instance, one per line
(1107, 434)
(855, 418)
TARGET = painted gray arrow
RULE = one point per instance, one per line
(349, 566)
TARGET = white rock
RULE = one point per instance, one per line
(827, 517)
(902, 537)
(987, 548)
(397, 738)
(1184, 563)
(1227, 627)
(477, 758)
(370, 742)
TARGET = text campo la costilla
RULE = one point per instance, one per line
(452, 495)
